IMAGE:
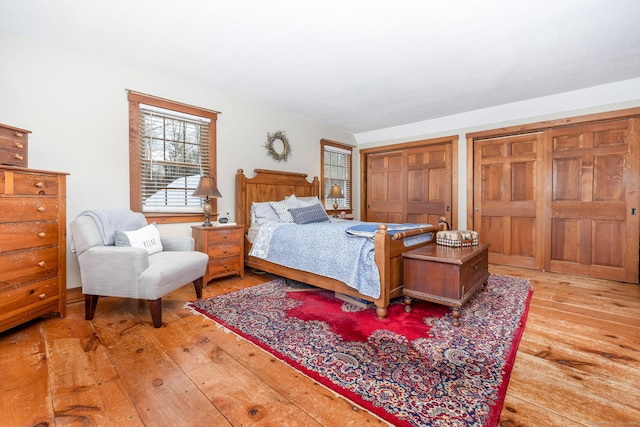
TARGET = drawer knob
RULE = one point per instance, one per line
(39, 185)
(41, 264)
(224, 237)
(40, 208)
(19, 145)
(41, 296)
(19, 134)
(19, 157)
(41, 234)
(224, 251)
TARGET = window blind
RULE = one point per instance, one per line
(337, 170)
(174, 154)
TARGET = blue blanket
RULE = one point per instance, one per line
(325, 249)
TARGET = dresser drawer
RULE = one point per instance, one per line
(20, 235)
(13, 158)
(27, 266)
(29, 293)
(16, 209)
(32, 184)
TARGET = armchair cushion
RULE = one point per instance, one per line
(147, 237)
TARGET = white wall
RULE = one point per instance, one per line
(76, 107)
(611, 97)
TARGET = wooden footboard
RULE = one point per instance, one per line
(274, 185)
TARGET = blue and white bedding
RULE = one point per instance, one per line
(325, 249)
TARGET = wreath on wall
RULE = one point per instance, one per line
(272, 146)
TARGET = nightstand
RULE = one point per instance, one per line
(224, 245)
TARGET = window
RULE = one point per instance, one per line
(171, 145)
(336, 169)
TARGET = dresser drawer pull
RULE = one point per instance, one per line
(476, 266)
(41, 264)
(224, 251)
(39, 185)
(19, 145)
(41, 234)
(41, 209)
(19, 134)
(42, 296)
(224, 236)
(19, 157)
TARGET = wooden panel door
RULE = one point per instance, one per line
(410, 185)
(595, 193)
(385, 182)
(507, 183)
(428, 191)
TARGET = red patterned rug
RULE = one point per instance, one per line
(412, 369)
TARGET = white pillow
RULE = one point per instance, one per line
(262, 212)
(147, 237)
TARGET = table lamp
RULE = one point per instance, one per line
(335, 193)
(206, 189)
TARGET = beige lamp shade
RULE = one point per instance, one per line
(207, 188)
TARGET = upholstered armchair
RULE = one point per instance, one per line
(121, 255)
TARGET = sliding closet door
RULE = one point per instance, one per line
(595, 194)
(507, 188)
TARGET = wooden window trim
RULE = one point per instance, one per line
(135, 99)
(323, 191)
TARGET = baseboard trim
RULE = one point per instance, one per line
(74, 295)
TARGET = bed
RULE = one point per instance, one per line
(270, 185)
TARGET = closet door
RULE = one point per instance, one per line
(410, 185)
(428, 192)
(385, 183)
(595, 193)
(507, 190)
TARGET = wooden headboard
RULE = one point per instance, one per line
(269, 185)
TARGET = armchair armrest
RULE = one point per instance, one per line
(177, 243)
(123, 265)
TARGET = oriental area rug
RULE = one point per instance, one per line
(411, 369)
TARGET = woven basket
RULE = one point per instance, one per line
(457, 238)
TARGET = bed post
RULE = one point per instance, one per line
(380, 250)
(241, 201)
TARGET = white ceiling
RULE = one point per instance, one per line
(356, 65)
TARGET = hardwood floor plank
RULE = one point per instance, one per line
(324, 406)
(517, 412)
(25, 399)
(233, 389)
(161, 392)
(587, 399)
(86, 389)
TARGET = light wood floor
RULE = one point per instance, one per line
(578, 365)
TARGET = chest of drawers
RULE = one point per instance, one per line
(225, 246)
(13, 146)
(32, 244)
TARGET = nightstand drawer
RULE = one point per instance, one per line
(224, 250)
(223, 266)
(224, 235)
